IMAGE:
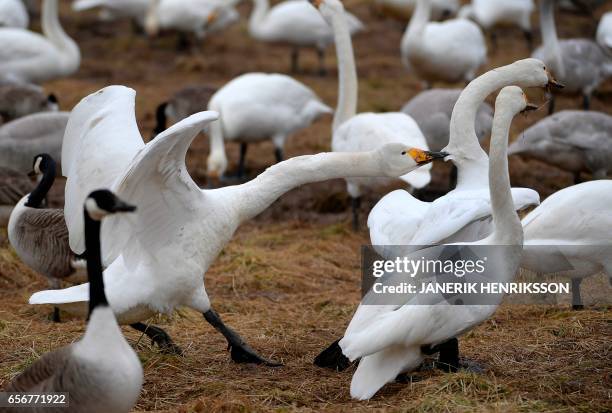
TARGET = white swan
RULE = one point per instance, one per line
(101, 372)
(572, 140)
(389, 339)
(464, 214)
(297, 23)
(554, 230)
(134, 9)
(604, 32)
(31, 57)
(13, 13)
(259, 106)
(366, 131)
(491, 13)
(432, 110)
(156, 258)
(450, 51)
(403, 9)
(580, 64)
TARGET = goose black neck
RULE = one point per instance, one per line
(97, 297)
(160, 117)
(42, 189)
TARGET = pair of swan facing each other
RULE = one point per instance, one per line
(155, 260)
(101, 372)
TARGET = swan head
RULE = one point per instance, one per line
(41, 164)
(514, 100)
(534, 73)
(398, 160)
(103, 202)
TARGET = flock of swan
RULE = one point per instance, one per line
(162, 232)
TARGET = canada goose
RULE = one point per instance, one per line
(580, 64)
(552, 230)
(13, 14)
(296, 23)
(18, 100)
(450, 51)
(255, 107)
(394, 338)
(180, 229)
(354, 132)
(37, 58)
(432, 110)
(13, 186)
(184, 103)
(39, 235)
(101, 372)
(491, 13)
(604, 32)
(572, 140)
(24, 138)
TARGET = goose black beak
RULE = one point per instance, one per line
(529, 108)
(32, 174)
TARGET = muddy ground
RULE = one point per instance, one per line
(289, 280)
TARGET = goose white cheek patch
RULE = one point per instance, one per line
(94, 211)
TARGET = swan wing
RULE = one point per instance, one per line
(167, 198)
(100, 141)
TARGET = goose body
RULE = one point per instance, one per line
(13, 14)
(18, 100)
(14, 185)
(572, 140)
(186, 102)
(604, 32)
(580, 64)
(463, 214)
(101, 372)
(24, 138)
(260, 106)
(134, 9)
(449, 51)
(432, 110)
(35, 58)
(155, 261)
(389, 338)
(297, 23)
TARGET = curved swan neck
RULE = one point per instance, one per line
(347, 72)
(53, 30)
(97, 296)
(550, 39)
(258, 15)
(255, 196)
(507, 229)
(418, 22)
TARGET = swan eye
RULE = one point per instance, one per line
(403, 152)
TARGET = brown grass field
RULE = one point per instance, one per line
(289, 281)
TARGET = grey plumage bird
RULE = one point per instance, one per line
(18, 100)
(13, 186)
(184, 103)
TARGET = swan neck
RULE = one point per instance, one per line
(53, 30)
(507, 229)
(418, 22)
(97, 296)
(255, 196)
(550, 40)
(347, 72)
(258, 15)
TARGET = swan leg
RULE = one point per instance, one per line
(577, 178)
(322, 69)
(551, 105)
(332, 358)
(295, 58)
(160, 337)
(243, 150)
(278, 154)
(355, 205)
(494, 42)
(241, 352)
(528, 38)
(449, 354)
(586, 101)
(576, 297)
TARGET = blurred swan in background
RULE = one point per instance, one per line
(298, 24)
(575, 141)
(580, 64)
(113, 9)
(21, 99)
(432, 110)
(186, 102)
(450, 51)
(30, 57)
(13, 13)
(256, 107)
(394, 338)
(178, 221)
(22, 139)
(604, 32)
(354, 132)
(571, 227)
(491, 13)
(403, 9)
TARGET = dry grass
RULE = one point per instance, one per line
(289, 280)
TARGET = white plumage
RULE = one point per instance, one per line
(13, 13)
(134, 9)
(604, 32)
(489, 13)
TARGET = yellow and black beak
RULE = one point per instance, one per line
(553, 83)
(424, 157)
(530, 108)
(212, 17)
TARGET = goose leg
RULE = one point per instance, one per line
(355, 205)
(332, 358)
(160, 337)
(243, 150)
(576, 298)
(295, 57)
(241, 352)
(55, 285)
(322, 69)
